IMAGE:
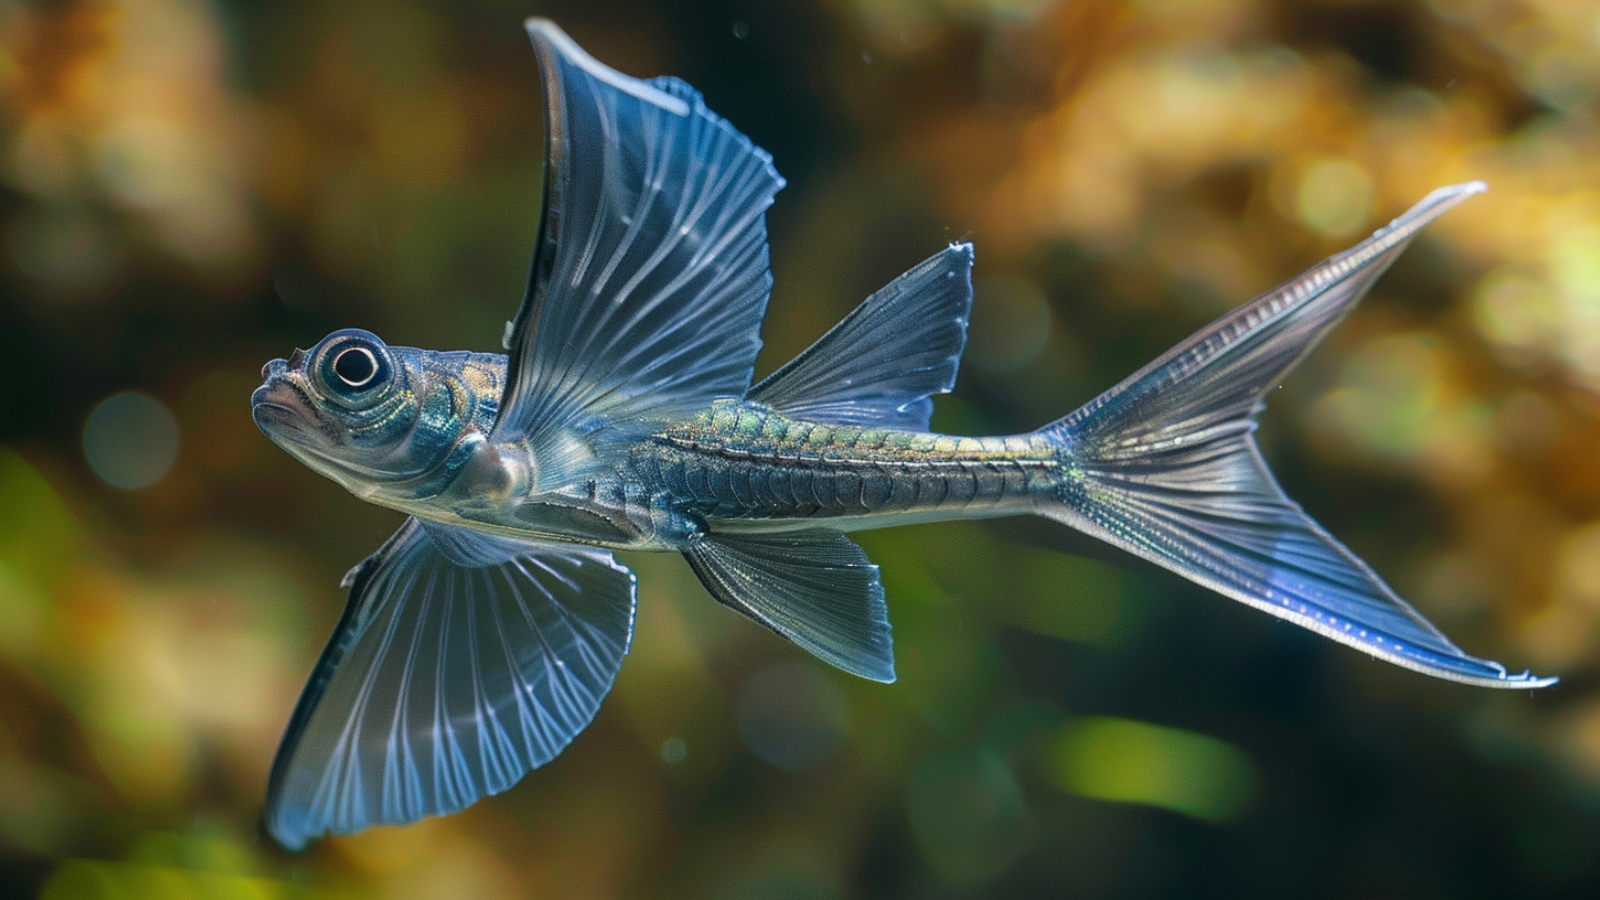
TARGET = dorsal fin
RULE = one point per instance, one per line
(881, 363)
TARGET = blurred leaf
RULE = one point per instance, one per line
(1134, 762)
(83, 879)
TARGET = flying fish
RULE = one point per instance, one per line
(483, 635)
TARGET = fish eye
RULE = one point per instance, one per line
(352, 366)
(355, 366)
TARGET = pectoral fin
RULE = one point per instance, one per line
(650, 275)
(461, 662)
(882, 362)
(815, 588)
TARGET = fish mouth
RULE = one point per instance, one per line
(273, 418)
(280, 405)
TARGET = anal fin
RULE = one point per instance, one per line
(816, 588)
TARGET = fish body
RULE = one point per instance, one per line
(743, 467)
(738, 466)
(480, 639)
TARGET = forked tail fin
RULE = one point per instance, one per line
(1165, 465)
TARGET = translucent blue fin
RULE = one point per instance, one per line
(458, 666)
(881, 363)
(1171, 473)
(650, 276)
(817, 589)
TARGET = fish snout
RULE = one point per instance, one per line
(262, 394)
(277, 407)
(269, 394)
(278, 398)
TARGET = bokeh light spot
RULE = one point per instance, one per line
(1579, 565)
(968, 815)
(1517, 313)
(1575, 267)
(674, 750)
(793, 716)
(130, 440)
(1401, 399)
(1124, 761)
(1200, 87)
(1388, 390)
(1335, 197)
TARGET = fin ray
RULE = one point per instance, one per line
(1171, 472)
(461, 662)
(650, 276)
(883, 361)
(816, 588)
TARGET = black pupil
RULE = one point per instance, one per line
(355, 366)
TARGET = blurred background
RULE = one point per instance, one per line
(191, 188)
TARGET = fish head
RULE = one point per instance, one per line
(349, 408)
